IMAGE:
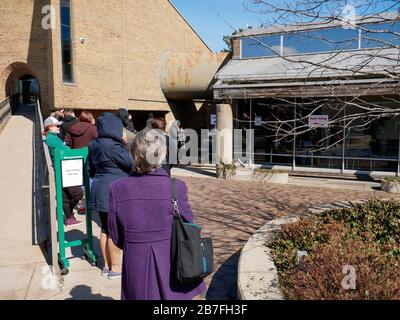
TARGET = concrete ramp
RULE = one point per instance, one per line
(20, 258)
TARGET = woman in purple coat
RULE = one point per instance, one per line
(140, 223)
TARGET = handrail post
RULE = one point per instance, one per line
(47, 182)
(5, 113)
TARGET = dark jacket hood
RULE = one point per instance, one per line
(79, 129)
(109, 126)
(69, 119)
(123, 114)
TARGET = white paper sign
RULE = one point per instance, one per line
(72, 173)
(320, 121)
(258, 121)
(213, 119)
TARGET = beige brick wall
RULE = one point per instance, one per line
(124, 42)
(24, 46)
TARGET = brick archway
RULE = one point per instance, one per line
(11, 75)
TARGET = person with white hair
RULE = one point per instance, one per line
(140, 223)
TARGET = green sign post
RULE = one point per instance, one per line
(71, 170)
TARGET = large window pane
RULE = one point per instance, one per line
(241, 123)
(319, 146)
(381, 35)
(261, 46)
(268, 148)
(66, 41)
(65, 34)
(374, 147)
(327, 40)
(278, 150)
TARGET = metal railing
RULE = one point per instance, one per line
(5, 113)
(44, 193)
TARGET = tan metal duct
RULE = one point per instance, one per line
(188, 76)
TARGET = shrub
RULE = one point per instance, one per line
(366, 237)
(229, 166)
(377, 273)
(392, 179)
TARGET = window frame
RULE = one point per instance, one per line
(64, 80)
(360, 46)
(319, 52)
(382, 46)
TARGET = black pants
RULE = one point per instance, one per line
(71, 197)
(104, 222)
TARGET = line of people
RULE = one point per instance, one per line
(131, 192)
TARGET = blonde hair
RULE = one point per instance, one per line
(148, 150)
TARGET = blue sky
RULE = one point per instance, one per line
(212, 19)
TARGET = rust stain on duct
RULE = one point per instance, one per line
(189, 75)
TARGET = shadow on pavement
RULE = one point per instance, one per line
(223, 286)
(77, 252)
(83, 292)
(196, 170)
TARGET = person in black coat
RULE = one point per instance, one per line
(126, 118)
(109, 161)
(129, 129)
(68, 120)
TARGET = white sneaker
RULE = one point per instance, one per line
(105, 272)
(114, 275)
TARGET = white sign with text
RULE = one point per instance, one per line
(72, 173)
(320, 121)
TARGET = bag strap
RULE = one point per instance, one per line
(174, 197)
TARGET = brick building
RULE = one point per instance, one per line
(101, 55)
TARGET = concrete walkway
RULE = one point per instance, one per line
(19, 258)
(194, 172)
(323, 182)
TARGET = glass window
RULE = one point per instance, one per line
(326, 40)
(261, 46)
(261, 116)
(319, 146)
(381, 35)
(66, 40)
(372, 147)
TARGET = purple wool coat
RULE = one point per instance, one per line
(140, 222)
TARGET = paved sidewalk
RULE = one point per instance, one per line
(342, 184)
(194, 172)
(323, 182)
(19, 258)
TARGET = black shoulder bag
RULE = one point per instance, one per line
(192, 256)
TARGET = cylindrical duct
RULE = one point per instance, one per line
(187, 76)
